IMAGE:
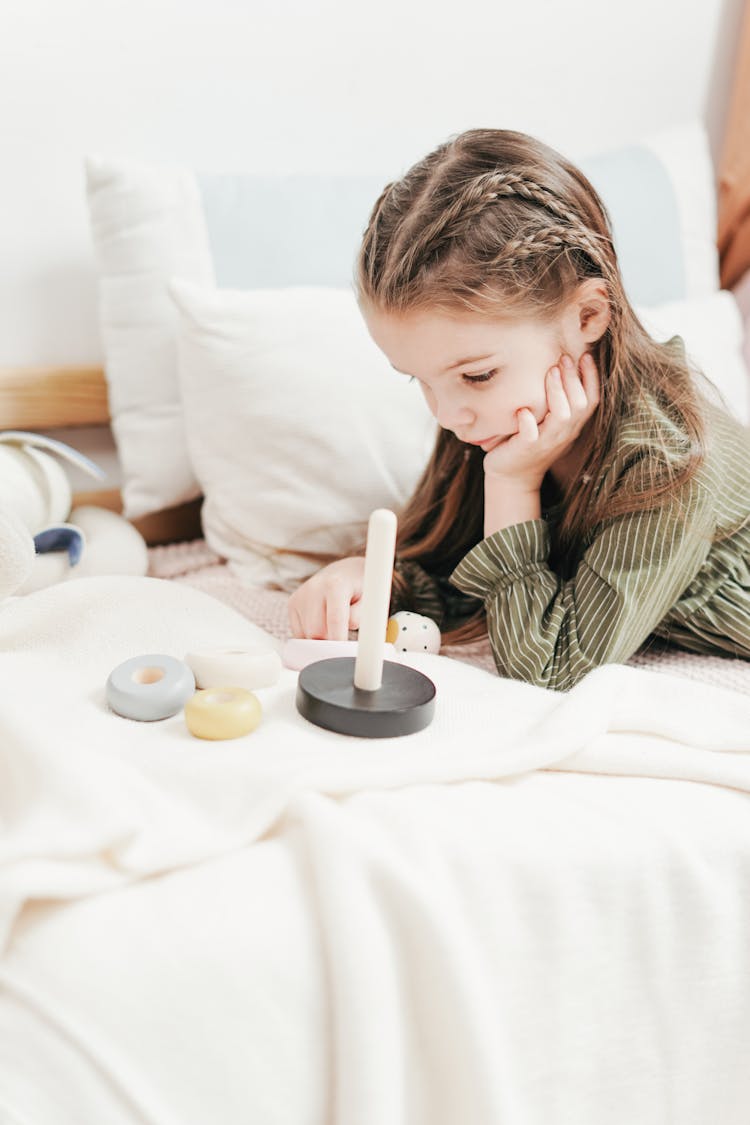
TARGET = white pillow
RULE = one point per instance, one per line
(296, 423)
(713, 332)
(149, 223)
(684, 152)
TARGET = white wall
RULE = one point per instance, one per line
(237, 85)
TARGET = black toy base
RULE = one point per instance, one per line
(404, 703)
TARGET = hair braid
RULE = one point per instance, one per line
(490, 186)
(485, 190)
(552, 239)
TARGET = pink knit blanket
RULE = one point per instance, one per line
(196, 564)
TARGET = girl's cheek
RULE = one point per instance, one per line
(536, 405)
(429, 398)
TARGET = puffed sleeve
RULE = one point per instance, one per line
(551, 631)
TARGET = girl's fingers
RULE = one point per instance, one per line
(574, 388)
(310, 625)
(337, 615)
(323, 607)
(527, 426)
(295, 623)
(590, 378)
(305, 626)
(559, 407)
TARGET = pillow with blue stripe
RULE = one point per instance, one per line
(151, 223)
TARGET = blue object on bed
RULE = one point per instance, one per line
(60, 537)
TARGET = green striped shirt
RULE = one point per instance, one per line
(680, 572)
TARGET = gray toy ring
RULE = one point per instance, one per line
(150, 687)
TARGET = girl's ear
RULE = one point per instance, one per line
(592, 309)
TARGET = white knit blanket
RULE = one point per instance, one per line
(414, 981)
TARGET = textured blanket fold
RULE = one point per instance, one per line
(90, 801)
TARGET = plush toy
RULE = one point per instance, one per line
(411, 632)
(41, 540)
(16, 552)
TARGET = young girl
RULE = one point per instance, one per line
(583, 493)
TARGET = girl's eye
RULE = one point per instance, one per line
(483, 378)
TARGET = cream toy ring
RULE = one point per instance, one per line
(224, 712)
(249, 668)
(149, 687)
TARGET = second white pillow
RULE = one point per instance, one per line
(297, 426)
(712, 330)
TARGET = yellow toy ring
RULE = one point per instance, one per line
(226, 712)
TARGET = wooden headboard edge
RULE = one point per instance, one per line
(50, 398)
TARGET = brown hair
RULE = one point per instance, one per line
(495, 222)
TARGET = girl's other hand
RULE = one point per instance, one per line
(326, 606)
(572, 397)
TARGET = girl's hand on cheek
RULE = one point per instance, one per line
(572, 397)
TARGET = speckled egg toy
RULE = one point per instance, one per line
(411, 632)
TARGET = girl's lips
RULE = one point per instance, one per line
(490, 443)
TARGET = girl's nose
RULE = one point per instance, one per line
(451, 413)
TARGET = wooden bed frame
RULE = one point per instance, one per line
(51, 398)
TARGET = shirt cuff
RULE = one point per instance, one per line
(503, 558)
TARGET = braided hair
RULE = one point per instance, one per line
(496, 223)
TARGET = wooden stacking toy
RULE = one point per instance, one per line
(365, 695)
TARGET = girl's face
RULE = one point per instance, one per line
(477, 374)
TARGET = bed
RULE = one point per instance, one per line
(533, 911)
